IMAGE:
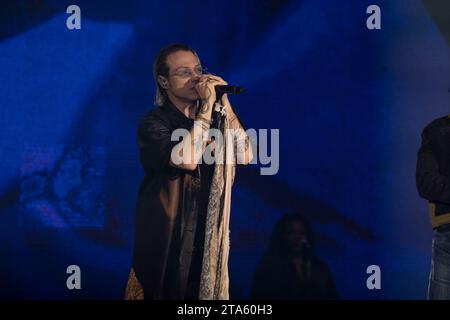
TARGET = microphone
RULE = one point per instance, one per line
(229, 89)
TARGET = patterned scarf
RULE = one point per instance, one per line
(214, 276)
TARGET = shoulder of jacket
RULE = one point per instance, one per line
(437, 123)
(154, 116)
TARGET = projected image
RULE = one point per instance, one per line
(62, 187)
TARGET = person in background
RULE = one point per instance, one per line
(289, 269)
(433, 184)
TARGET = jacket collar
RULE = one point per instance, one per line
(175, 116)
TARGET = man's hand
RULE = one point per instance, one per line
(207, 92)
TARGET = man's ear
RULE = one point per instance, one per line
(163, 82)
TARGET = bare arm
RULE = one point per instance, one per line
(188, 152)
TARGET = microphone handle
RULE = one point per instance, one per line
(228, 89)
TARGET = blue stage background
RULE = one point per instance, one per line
(350, 104)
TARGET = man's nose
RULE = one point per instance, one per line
(195, 78)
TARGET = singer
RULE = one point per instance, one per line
(182, 239)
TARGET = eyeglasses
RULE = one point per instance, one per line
(185, 73)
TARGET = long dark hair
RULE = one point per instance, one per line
(160, 68)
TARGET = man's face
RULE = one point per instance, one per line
(184, 72)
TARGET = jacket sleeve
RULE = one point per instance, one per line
(431, 184)
(155, 146)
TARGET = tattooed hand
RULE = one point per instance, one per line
(207, 92)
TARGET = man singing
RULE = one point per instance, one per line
(183, 209)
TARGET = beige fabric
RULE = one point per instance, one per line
(214, 281)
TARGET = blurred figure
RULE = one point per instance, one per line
(289, 269)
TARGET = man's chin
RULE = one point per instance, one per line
(190, 97)
(194, 96)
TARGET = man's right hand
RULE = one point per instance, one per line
(207, 92)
